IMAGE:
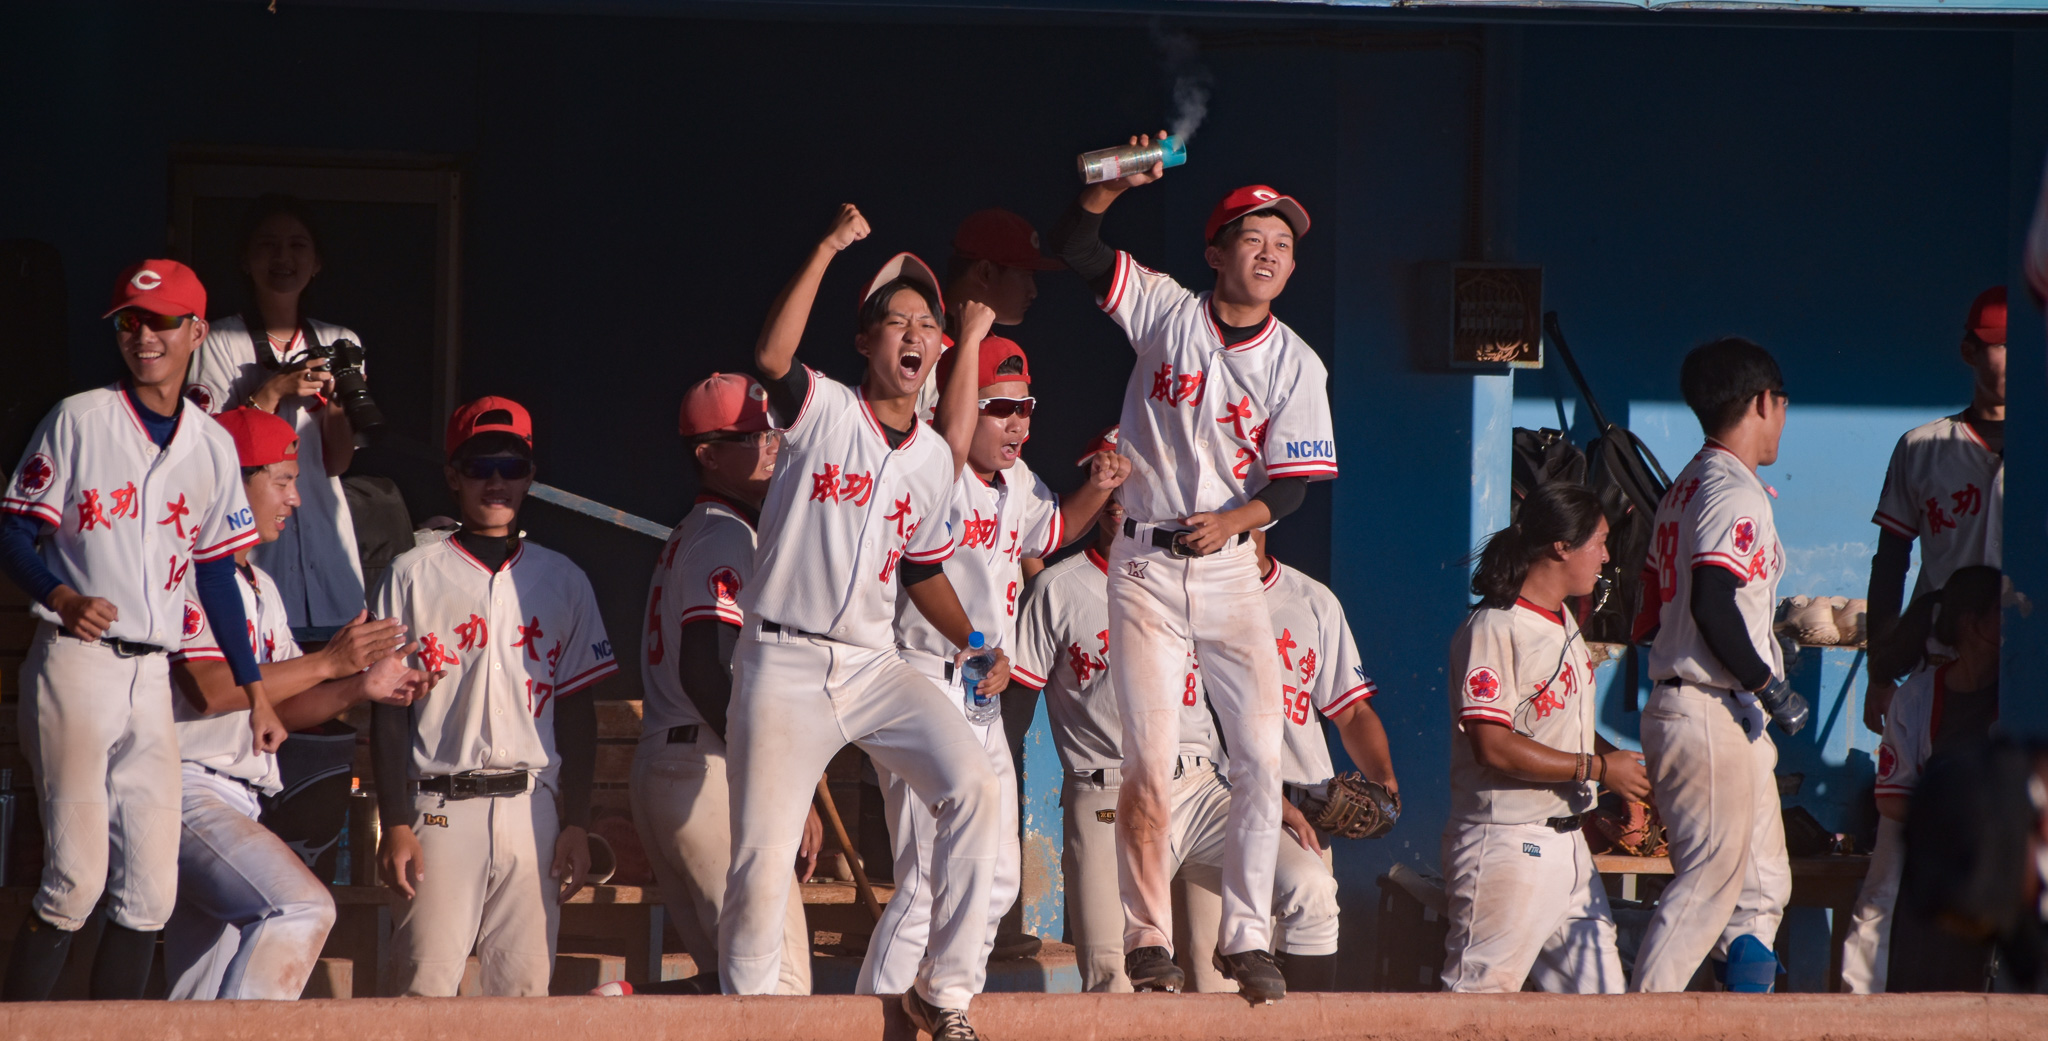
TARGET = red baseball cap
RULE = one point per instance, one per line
(159, 287)
(1104, 442)
(1987, 316)
(1251, 199)
(728, 402)
(904, 265)
(261, 438)
(488, 415)
(995, 350)
(1001, 237)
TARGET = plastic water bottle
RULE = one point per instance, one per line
(982, 709)
(1108, 164)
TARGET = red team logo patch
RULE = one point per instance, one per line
(35, 475)
(1483, 685)
(1887, 761)
(1745, 534)
(724, 584)
(195, 620)
(200, 396)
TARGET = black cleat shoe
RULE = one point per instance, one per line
(943, 1024)
(1258, 978)
(1152, 968)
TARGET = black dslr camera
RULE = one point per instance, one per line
(345, 361)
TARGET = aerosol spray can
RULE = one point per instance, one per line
(1108, 164)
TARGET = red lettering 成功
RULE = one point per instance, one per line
(825, 485)
(90, 513)
(472, 634)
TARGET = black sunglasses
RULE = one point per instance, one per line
(134, 319)
(483, 468)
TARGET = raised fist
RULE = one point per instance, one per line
(847, 228)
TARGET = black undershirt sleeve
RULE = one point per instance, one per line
(576, 742)
(1720, 624)
(786, 395)
(914, 574)
(1887, 593)
(1283, 495)
(390, 752)
(1077, 240)
(704, 664)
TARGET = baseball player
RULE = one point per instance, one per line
(320, 577)
(1001, 514)
(1714, 565)
(1225, 420)
(995, 262)
(1525, 900)
(1321, 678)
(1945, 487)
(862, 487)
(251, 919)
(484, 788)
(134, 493)
(1938, 709)
(679, 789)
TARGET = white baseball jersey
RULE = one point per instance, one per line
(319, 577)
(129, 520)
(1319, 668)
(1205, 426)
(222, 742)
(1062, 648)
(843, 511)
(1913, 728)
(1717, 512)
(993, 527)
(511, 643)
(1945, 487)
(698, 577)
(1528, 669)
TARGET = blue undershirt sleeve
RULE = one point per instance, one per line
(215, 580)
(21, 562)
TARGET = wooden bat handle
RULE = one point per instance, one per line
(860, 875)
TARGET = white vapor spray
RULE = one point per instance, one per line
(1180, 54)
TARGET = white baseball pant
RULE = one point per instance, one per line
(1867, 952)
(1711, 771)
(899, 940)
(97, 730)
(486, 885)
(1526, 903)
(1159, 603)
(680, 801)
(796, 701)
(1095, 911)
(251, 919)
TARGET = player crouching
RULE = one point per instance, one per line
(488, 782)
(250, 918)
(1523, 891)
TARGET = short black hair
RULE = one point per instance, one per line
(492, 442)
(251, 471)
(1720, 378)
(271, 205)
(875, 308)
(1229, 231)
(957, 267)
(1011, 366)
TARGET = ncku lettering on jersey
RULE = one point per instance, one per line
(843, 511)
(511, 644)
(222, 742)
(1717, 514)
(1946, 488)
(706, 565)
(129, 520)
(1526, 668)
(995, 526)
(1206, 426)
(1320, 670)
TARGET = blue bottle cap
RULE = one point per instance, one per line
(975, 641)
(1173, 151)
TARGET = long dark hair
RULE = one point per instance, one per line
(1557, 512)
(1969, 592)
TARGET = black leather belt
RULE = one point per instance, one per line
(231, 777)
(477, 784)
(1180, 769)
(949, 672)
(683, 735)
(1169, 539)
(1571, 823)
(1670, 682)
(777, 627)
(129, 648)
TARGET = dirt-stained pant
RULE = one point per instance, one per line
(1526, 902)
(680, 803)
(486, 883)
(1159, 603)
(1867, 952)
(1712, 777)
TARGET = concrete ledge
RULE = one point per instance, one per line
(1077, 1017)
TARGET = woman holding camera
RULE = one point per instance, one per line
(278, 360)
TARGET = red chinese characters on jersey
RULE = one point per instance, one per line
(1177, 389)
(529, 638)
(554, 659)
(124, 502)
(435, 655)
(900, 513)
(1556, 694)
(831, 485)
(1745, 534)
(1308, 667)
(91, 514)
(269, 646)
(1286, 645)
(1483, 685)
(1086, 665)
(1936, 519)
(1969, 502)
(473, 634)
(724, 585)
(975, 531)
(175, 513)
(35, 475)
